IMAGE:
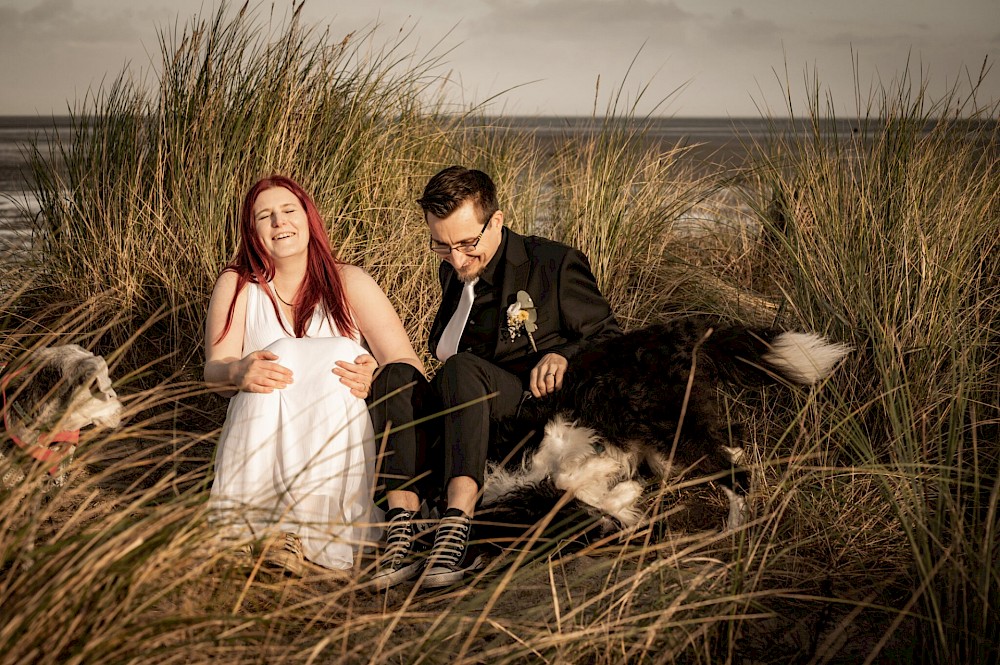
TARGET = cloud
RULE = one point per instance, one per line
(583, 19)
(845, 33)
(54, 51)
(740, 29)
(58, 23)
(46, 10)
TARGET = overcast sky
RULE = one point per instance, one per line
(724, 53)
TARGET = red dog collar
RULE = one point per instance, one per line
(41, 449)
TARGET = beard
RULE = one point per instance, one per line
(471, 271)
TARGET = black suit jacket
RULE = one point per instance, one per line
(571, 311)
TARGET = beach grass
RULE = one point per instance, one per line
(874, 536)
(890, 238)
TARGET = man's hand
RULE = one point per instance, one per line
(357, 375)
(547, 376)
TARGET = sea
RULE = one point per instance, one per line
(716, 141)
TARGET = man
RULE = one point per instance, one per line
(491, 357)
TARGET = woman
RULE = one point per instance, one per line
(285, 329)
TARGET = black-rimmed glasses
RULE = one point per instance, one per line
(464, 247)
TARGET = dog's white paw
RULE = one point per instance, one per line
(737, 510)
(622, 501)
(591, 477)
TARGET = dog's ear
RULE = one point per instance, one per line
(42, 384)
(92, 373)
(81, 368)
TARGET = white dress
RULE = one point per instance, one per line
(300, 459)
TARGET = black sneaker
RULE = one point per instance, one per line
(398, 562)
(450, 559)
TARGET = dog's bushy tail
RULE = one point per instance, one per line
(744, 355)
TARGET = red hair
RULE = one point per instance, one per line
(322, 281)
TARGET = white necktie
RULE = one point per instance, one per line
(452, 335)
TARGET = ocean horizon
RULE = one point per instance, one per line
(714, 141)
(705, 135)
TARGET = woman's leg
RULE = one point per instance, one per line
(325, 453)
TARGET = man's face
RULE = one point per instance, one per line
(462, 227)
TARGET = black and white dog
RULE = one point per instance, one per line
(646, 400)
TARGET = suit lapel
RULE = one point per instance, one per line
(515, 278)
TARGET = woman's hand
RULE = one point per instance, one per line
(258, 373)
(357, 375)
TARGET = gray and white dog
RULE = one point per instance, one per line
(46, 401)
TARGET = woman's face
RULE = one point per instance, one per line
(281, 223)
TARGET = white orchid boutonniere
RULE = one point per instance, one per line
(521, 316)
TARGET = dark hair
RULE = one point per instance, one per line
(453, 186)
(322, 282)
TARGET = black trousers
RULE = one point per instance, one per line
(461, 412)
(399, 398)
(479, 396)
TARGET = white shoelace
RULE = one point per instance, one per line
(399, 536)
(451, 540)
